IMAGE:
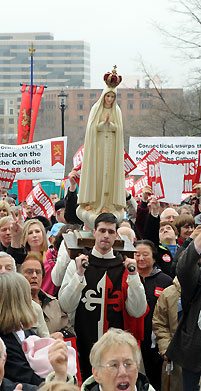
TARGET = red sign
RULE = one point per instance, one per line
(198, 173)
(139, 184)
(78, 157)
(129, 184)
(155, 180)
(40, 202)
(6, 178)
(152, 156)
(78, 169)
(129, 164)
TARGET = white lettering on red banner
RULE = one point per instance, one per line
(139, 184)
(155, 180)
(40, 202)
(129, 164)
(152, 156)
(129, 184)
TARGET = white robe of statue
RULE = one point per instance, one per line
(102, 181)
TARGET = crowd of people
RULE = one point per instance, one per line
(130, 327)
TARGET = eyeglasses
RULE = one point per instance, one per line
(114, 366)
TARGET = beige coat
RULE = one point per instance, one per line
(165, 318)
(55, 318)
(165, 321)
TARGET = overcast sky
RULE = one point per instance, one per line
(119, 32)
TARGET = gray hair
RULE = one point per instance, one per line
(113, 337)
(3, 254)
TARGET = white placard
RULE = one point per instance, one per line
(39, 160)
(173, 181)
(173, 148)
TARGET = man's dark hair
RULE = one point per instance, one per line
(106, 218)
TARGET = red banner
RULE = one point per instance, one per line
(24, 119)
(40, 202)
(36, 99)
(26, 125)
(28, 115)
(6, 178)
(57, 152)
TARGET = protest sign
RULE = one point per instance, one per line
(40, 202)
(173, 181)
(78, 170)
(173, 148)
(129, 184)
(6, 178)
(78, 157)
(129, 164)
(198, 173)
(152, 156)
(155, 179)
(189, 173)
(39, 160)
(139, 184)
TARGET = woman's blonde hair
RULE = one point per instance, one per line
(24, 238)
(113, 337)
(5, 205)
(16, 310)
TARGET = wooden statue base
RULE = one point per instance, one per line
(78, 240)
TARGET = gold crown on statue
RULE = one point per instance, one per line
(112, 79)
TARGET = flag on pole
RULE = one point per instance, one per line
(26, 124)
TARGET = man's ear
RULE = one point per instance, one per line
(96, 375)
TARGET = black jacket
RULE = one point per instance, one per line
(185, 347)
(17, 368)
(8, 385)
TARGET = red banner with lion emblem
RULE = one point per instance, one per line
(31, 98)
(28, 115)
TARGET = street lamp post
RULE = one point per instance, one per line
(62, 106)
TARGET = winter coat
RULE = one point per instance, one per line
(165, 317)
